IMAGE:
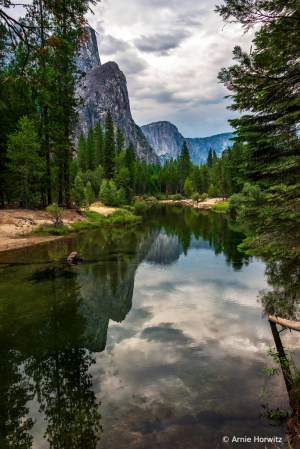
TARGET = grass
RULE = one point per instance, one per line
(118, 217)
(220, 207)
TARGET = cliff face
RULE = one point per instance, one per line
(167, 141)
(165, 138)
(103, 88)
(88, 56)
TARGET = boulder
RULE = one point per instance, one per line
(73, 257)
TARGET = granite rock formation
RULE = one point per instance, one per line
(104, 87)
(167, 141)
(88, 56)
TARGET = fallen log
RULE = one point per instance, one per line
(295, 325)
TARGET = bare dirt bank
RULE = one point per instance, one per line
(16, 224)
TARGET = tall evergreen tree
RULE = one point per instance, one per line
(109, 150)
(210, 158)
(82, 156)
(90, 147)
(184, 164)
(120, 141)
(130, 163)
(98, 144)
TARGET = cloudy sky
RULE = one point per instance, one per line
(171, 52)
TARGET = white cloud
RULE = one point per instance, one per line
(171, 53)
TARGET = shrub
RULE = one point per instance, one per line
(89, 193)
(213, 191)
(139, 207)
(118, 220)
(167, 194)
(121, 196)
(177, 197)
(158, 195)
(235, 202)
(145, 197)
(57, 214)
(77, 192)
(204, 196)
(128, 208)
(187, 187)
(196, 197)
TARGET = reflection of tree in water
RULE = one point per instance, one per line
(48, 340)
(283, 299)
(215, 229)
(283, 302)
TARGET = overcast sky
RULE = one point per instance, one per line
(170, 52)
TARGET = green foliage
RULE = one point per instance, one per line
(204, 196)
(213, 191)
(109, 195)
(98, 144)
(196, 197)
(95, 216)
(139, 207)
(23, 153)
(77, 192)
(89, 194)
(220, 207)
(188, 187)
(109, 147)
(177, 197)
(120, 141)
(210, 159)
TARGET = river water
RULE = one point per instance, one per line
(157, 340)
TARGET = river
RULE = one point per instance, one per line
(156, 340)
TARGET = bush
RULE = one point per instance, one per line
(213, 191)
(177, 197)
(89, 193)
(187, 187)
(119, 220)
(140, 207)
(204, 196)
(196, 197)
(128, 208)
(235, 202)
(121, 196)
(145, 197)
(77, 192)
(158, 195)
(167, 194)
(57, 214)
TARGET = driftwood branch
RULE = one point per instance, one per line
(295, 325)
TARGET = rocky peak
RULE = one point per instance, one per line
(88, 55)
(103, 88)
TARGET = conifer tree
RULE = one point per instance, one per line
(109, 150)
(98, 144)
(130, 164)
(90, 149)
(120, 141)
(184, 164)
(210, 159)
(82, 156)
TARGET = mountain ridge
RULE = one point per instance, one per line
(165, 138)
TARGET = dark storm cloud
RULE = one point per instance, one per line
(165, 333)
(161, 43)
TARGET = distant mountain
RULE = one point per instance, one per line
(167, 141)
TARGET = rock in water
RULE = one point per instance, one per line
(73, 257)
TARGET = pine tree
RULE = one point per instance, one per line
(184, 164)
(98, 142)
(90, 148)
(210, 159)
(120, 141)
(23, 153)
(82, 156)
(89, 193)
(109, 150)
(130, 164)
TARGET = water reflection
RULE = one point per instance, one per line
(169, 353)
